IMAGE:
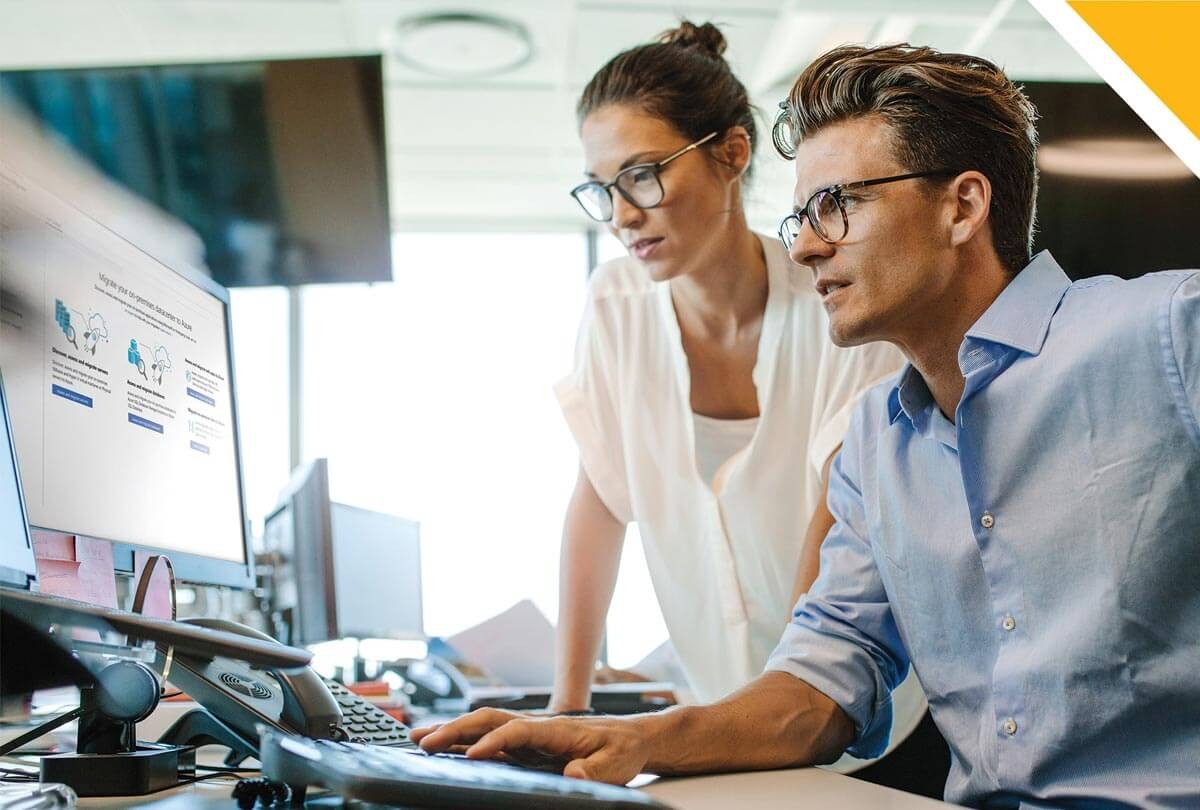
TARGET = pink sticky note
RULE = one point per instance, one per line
(75, 567)
(96, 577)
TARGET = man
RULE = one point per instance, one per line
(1017, 516)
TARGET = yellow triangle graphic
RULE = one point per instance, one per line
(1158, 40)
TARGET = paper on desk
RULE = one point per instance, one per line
(516, 647)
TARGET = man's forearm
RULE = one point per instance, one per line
(775, 721)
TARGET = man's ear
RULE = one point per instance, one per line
(733, 151)
(971, 198)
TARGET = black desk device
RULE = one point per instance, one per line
(237, 697)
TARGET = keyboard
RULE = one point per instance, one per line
(408, 776)
(364, 722)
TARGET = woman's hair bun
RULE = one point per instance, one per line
(706, 38)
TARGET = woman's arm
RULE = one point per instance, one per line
(591, 556)
(819, 526)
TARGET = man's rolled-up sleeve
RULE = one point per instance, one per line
(843, 639)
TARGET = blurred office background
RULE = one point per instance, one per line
(430, 393)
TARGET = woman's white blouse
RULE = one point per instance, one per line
(717, 442)
(722, 559)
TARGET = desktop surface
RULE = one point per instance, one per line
(792, 789)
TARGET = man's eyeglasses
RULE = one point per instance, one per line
(826, 209)
(639, 185)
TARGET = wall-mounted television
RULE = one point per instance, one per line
(280, 166)
(1113, 199)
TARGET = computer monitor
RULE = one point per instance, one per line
(16, 551)
(376, 574)
(300, 535)
(342, 572)
(279, 166)
(120, 389)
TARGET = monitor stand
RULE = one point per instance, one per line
(108, 760)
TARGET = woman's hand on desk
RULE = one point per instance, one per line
(610, 675)
(606, 675)
(602, 749)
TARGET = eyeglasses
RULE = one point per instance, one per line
(639, 185)
(826, 209)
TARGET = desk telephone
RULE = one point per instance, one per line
(236, 697)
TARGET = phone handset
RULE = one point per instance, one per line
(307, 708)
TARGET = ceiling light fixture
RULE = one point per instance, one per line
(462, 45)
(1112, 159)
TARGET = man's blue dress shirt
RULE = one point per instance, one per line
(1037, 561)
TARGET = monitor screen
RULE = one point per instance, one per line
(341, 571)
(16, 551)
(118, 371)
(278, 165)
(376, 574)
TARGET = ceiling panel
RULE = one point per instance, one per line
(33, 35)
(465, 164)
(480, 118)
(1034, 51)
(603, 31)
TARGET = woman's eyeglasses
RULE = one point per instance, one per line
(639, 185)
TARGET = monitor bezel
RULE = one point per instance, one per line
(21, 578)
(313, 475)
(191, 568)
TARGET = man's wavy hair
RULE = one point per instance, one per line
(946, 111)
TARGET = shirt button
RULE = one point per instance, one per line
(1009, 623)
(1009, 726)
(987, 521)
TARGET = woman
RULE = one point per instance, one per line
(707, 398)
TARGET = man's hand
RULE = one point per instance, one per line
(602, 749)
(775, 721)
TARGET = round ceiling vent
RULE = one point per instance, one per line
(460, 45)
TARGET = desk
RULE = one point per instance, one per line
(791, 789)
(794, 788)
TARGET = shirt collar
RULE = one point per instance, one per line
(909, 396)
(1020, 316)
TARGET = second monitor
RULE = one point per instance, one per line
(341, 571)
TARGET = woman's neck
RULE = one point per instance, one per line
(727, 295)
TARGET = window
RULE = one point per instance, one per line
(260, 355)
(432, 398)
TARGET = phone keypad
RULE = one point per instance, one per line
(365, 722)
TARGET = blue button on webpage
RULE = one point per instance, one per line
(73, 396)
(205, 398)
(146, 423)
(200, 448)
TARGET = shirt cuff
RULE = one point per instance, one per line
(842, 671)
